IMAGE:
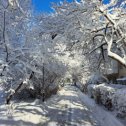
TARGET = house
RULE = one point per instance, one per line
(115, 72)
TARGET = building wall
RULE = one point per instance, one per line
(112, 67)
(122, 71)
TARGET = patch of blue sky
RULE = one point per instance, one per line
(45, 5)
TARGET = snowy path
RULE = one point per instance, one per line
(69, 108)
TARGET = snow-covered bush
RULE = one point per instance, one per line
(106, 92)
(110, 94)
(52, 89)
(119, 101)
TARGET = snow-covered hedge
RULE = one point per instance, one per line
(110, 95)
(119, 102)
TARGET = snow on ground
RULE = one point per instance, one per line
(68, 107)
(23, 114)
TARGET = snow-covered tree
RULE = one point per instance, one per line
(111, 33)
(94, 25)
(13, 20)
(75, 39)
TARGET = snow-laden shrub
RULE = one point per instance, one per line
(99, 91)
(119, 101)
(106, 92)
(52, 89)
(114, 94)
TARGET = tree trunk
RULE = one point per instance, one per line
(43, 85)
(12, 94)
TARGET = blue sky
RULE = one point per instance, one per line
(45, 5)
